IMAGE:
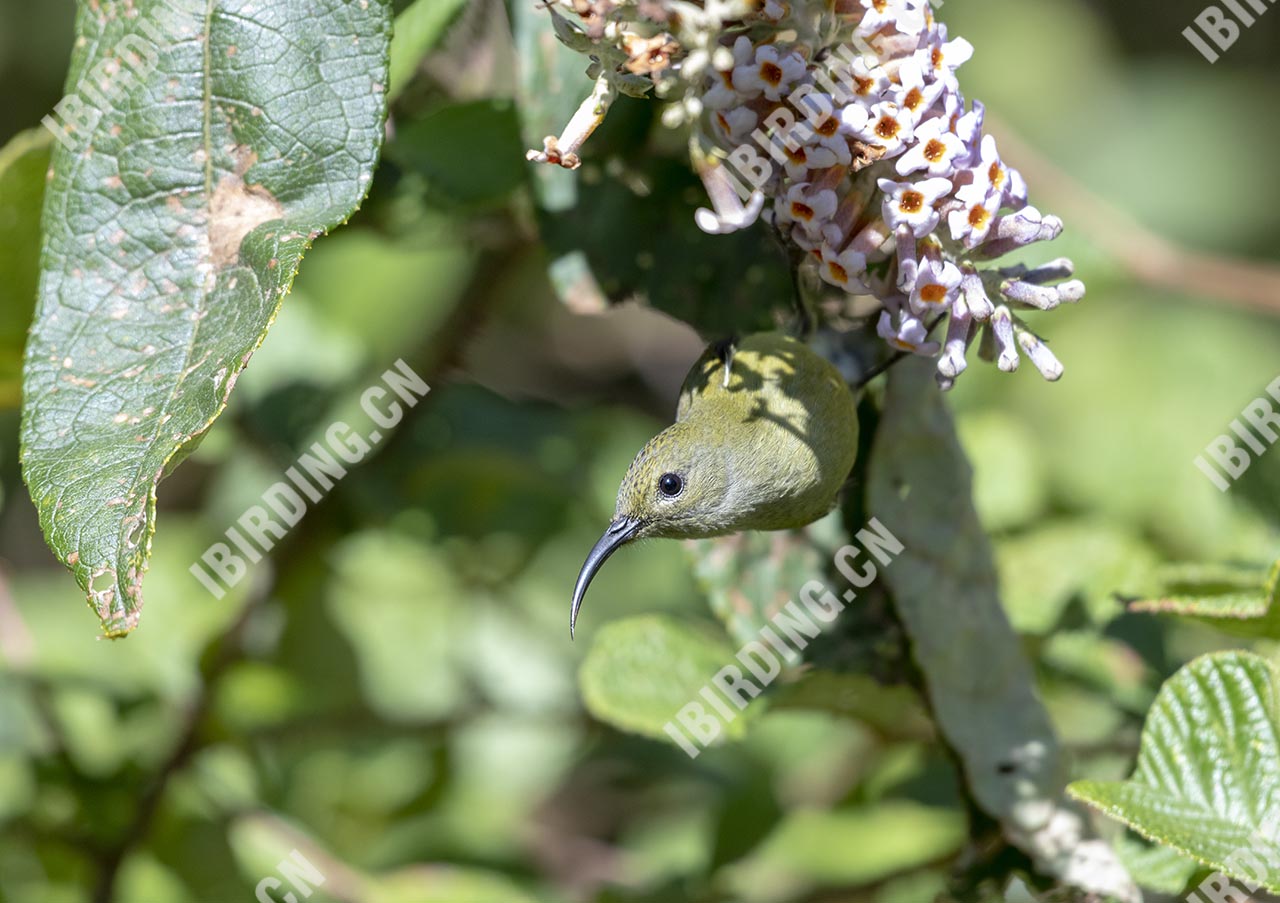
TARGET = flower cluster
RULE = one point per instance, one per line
(842, 123)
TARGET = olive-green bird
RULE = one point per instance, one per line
(766, 433)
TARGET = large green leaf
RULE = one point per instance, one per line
(1207, 781)
(23, 164)
(174, 225)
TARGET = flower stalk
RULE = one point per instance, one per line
(842, 125)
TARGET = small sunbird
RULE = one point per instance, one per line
(766, 433)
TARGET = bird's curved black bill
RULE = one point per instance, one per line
(620, 532)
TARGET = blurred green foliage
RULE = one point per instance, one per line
(394, 694)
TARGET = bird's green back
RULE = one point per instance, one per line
(767, 450)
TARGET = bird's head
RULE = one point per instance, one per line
(674, 489)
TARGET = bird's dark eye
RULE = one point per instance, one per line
(670, 484)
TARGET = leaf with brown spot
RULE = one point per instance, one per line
(174, 223)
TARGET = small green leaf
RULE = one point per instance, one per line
(1155, 866)
(847, 847)
(440, 146)
(637, 232)
(1207, 782)
(1010, 486)
(174, 223)
(641, 671)
(23, 164)
(1043, 570)
(895, 711)
(418, 30)
(1237, 599)
(392, 598)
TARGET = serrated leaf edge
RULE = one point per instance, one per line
(1079, 790)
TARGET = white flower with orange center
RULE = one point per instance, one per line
(770, 72)
(914, 94)
(843, 269)
(903, 16)
(736, 123)
(808, 207)
(972, 222)
(913, 204)
(817, 153)
(821, 117)
(886, 125)
(799, 163)
(937, 284)
(940, 58)
(989, 170)
(934, 150)
(722, 94)
(865, 80)
(908, 335)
